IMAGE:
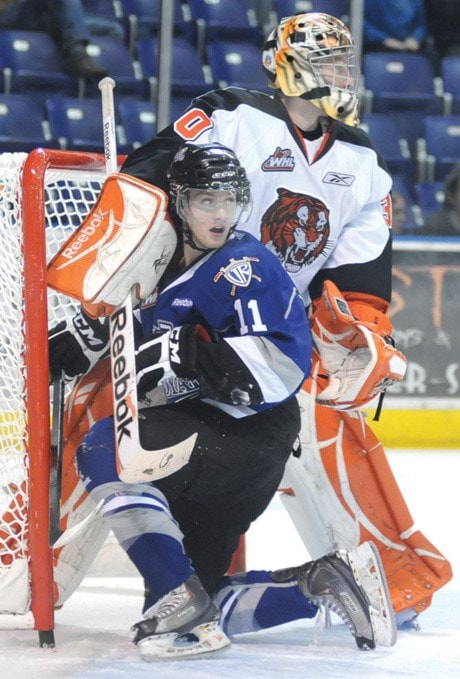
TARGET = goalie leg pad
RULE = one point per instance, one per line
(90, 400)
(341, 492)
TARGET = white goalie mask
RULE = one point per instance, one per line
(313, 56)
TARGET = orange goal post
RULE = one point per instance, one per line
(43, 196)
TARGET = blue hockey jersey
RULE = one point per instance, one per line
(260, 351)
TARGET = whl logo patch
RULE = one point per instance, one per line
(280, 161)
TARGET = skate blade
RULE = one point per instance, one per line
(369, 574)
(208, 638)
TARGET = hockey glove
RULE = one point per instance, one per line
(360, 360)
(76, 345)
(161, 359)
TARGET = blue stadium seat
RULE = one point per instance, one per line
(439, 148)
(115, 57)
(178, 104)
(223, 20)
(187, 74)
(142, 18)
(102, 8)
(407, 215)
(236, 63)
(31, 63)
(337, 8)
(387, 139)
(138, 120)
(404, 85)
(77, 124)
(103, 17)
(450, 74)
(22, 124)
(430, 196)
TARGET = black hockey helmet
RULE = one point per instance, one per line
(212, 167)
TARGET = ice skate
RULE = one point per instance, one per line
(352, 585)
(182, 624)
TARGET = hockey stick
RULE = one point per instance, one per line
(56, 449)
(134, 463)
(56, 535)
(106, 87)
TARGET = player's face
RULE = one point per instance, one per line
(210, 215)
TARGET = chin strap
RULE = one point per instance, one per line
(188, 239)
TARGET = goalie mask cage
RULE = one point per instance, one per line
(43, 195)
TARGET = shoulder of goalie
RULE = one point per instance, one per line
(76, 344)
(168, 360)
(357, 353)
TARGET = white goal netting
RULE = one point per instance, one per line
(69, 194)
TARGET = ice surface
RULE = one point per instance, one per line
(92, 629)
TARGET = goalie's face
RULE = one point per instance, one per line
(210, 215)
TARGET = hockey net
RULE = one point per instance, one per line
(43, 196)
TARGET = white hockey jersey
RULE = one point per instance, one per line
(321, 206)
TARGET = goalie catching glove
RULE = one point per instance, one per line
(359, 356)
(75, 345)
(168, 360)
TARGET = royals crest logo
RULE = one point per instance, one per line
(296, 228)
(238, 272)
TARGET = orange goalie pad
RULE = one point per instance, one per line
(90, 400)
(370, 494)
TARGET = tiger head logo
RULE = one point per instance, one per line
(296, 228)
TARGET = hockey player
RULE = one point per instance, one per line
(224, 347)
(321, 204)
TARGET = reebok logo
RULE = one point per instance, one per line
(120, 375)
(87, 232)
(339, 179)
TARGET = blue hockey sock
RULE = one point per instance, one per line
(252, 601)
(162, 563)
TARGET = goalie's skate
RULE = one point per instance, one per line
(352, 585)
(369, 574)
(183, 624)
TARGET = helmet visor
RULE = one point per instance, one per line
(204, 204)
